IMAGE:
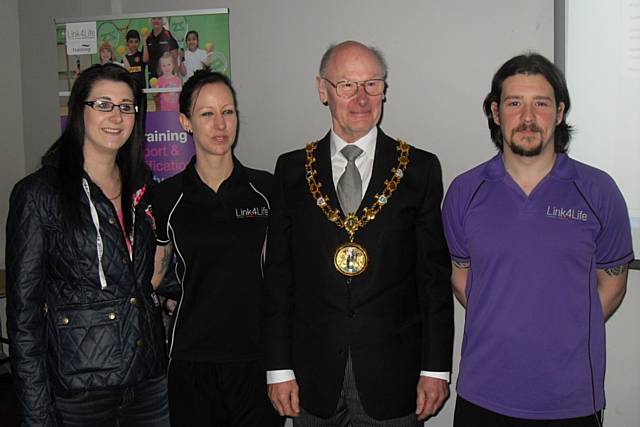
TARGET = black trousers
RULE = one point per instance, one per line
(140, 405)
(220, 395)
(469, 415)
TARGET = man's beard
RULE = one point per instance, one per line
(521, 151)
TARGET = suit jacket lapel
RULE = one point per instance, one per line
(325, 171)
(385, 159)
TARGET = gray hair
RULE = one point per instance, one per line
(328, 54)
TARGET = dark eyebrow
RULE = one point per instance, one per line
(537, 98)
(108, 98)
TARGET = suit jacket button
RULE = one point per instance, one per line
(349, 281)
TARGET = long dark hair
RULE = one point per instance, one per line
(531, 64)
(66, 155)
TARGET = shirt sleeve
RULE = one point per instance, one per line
(453, 220)
(613, 242)
(280, 376)
(446, 376)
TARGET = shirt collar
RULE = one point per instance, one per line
(367, 143)
(195, 183)
(563, 168)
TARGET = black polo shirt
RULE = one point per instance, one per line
(219, 240)
(157, 45)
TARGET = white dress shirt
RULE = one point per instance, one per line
(364, 163)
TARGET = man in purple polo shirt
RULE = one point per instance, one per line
(540, 245)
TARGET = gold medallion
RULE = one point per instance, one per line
(350, 259)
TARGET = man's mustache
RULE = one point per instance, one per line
(528, 127)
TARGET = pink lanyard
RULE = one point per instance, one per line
(124, 233)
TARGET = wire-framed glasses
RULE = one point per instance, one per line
(347, 89)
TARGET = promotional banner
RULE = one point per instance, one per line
(161, 50)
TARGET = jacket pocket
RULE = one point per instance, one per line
(89, 339)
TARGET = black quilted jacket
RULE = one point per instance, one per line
(69, 329)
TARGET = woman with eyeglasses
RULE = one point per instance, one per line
(87, 341)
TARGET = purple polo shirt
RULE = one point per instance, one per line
(534, 331)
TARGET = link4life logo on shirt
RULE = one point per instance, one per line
(255, 212)
(566, 213)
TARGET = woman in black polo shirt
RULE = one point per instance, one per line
(213, 217)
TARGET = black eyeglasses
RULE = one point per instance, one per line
(347, 89)
(108, 106)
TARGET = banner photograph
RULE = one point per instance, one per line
(162, 50)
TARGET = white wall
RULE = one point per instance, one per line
(622, 381)
(11, 132)
(442, 55)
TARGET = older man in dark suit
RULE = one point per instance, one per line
(358, 307)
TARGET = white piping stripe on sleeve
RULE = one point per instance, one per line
(172, 237)
(263, 254)
(263, 196)
(175, 205)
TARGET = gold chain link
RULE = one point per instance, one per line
(351, 223)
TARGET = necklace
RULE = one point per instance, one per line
(103, 191)
(351, 258)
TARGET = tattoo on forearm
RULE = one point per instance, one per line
(462, 264)
(617, 270)
(166, 260)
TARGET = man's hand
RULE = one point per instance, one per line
(284, 398)
(432, 392)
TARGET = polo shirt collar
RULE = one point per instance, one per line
(238, 174)
(194, 182)
(563, 169)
